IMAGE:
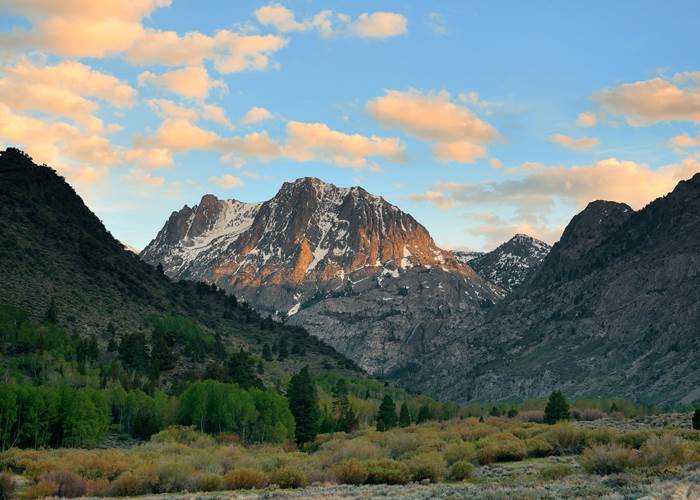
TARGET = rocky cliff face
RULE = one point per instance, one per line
(357, 271)
(511, 263)
(613, 310)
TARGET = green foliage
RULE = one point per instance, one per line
(386, 418)
(34, 417)
(241, 370)
(557, 408)
(424, 414)
(345, 418)
(404, 416)
(288, 477)
(351, 471)
(387, 471)
(556, 472)
(196, 343)
(303, 403)
(461, 471)
(696, 419)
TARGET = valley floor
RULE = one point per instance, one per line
(653, 457)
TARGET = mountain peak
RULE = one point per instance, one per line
(512, 262)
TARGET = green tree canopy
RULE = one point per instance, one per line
(557, 408)
(303, 403)
(386, 418)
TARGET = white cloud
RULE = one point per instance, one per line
(226, 181)
(256, 115)
(580, 144)
(458, 134)
(367, 25)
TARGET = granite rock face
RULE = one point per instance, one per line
(351, 267)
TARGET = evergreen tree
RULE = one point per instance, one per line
(260, 368)
(557, 408)
(512, 413)
(132, 352)
(367, 394)
(696, 419)
(303, 403)
(404, 416)
(282, 351)
(481, 418)
(51, 315)
(161, 356)
(112, 344)
(495, 412)
(386, 418)
(266, 353)
(613, 408)
(424, 414)
(345, 418)
(241, 370)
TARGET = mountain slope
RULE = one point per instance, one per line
(613, 310)
(513, 262)
(348, 265)
(54, 250)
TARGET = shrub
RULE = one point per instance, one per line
(538, 447)
(400, 444)
(607, 459)
(460, 452)
(461, 471)
(633, 439)
(245, 479)
(565, 438)
(129, 484)
(7, 485)
(206, 481)
(42, 489)
(531, 416)
(183, 435)
(429, 466)
(172, 476)
(97, 487)
(589, 414)
(501, 448)
(387, 471)
(288, 477)
(68, 484)
(350, 472)
(555, 472)
(602, 435)
(665, 451)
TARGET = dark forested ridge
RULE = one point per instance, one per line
(614, 309)
(61, 270)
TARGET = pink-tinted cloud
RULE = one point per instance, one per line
(580, 144)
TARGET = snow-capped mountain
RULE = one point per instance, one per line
(511, 263)
(304, 252)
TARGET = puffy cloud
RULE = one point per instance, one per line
(327, 23)
(309, 141)
(170, 109)
(379, 25)
(80, 28)
(226, 181)
(684, 141)
(495, 230)
(61, 90)
(581, 144)
(193, 82)
(495, 162)
(231, 52)
(303, 142)
(149, 158)
(587, 119)
(657, 100)
(532, 196)
(458, 134)
(256, 115)
(141, 178)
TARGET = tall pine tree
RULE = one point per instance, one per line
(557, 408)
(303, 403)
(404, 416)
(386, 418)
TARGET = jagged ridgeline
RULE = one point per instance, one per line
(77, 306)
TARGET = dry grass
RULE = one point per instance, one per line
(180, 459)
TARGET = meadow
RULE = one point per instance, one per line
(498, 457)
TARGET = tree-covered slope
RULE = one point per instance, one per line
(56, 257)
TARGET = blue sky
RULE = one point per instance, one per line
(481, 119)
